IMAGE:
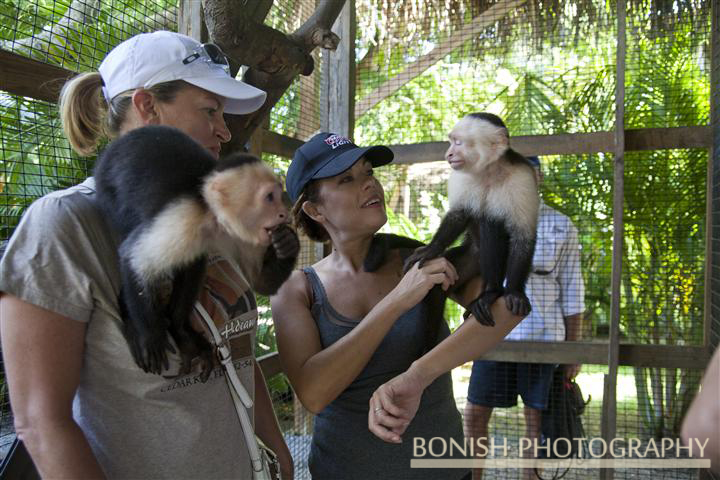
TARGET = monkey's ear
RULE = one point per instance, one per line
(217, 191)
(502, 139)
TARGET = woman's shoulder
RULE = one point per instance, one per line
(72, 207)
(296, 289)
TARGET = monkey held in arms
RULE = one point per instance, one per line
(494, 199)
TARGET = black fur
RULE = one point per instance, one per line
(381, 244)
(137, 176)
(488, 117)
(490, 249)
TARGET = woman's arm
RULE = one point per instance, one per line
(266, 425)
(394, 404)
(319, 375)
(43, 351)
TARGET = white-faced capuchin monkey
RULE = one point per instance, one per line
(494, 199)
(172, 204)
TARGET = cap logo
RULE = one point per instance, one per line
(335, 141)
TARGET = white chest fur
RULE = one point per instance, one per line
(514, 199)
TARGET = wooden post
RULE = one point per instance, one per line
(339, 77)
(337, 108)
(190, 20)
(711, 192)
(609, 420)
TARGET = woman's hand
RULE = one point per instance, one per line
(417, 282)
(394, 405)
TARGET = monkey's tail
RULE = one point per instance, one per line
(435, 305)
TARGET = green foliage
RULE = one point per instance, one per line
(562, 82)
(667, 85)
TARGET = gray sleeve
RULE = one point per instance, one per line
(47, 258)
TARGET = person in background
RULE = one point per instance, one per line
(556, 292)
(81, 405)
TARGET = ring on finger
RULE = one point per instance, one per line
(378, 409)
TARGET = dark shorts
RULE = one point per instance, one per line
(497, 384)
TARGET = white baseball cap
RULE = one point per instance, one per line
(151, 58)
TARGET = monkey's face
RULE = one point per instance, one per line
(248, 202)
(474, 144)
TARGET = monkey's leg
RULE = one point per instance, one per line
(144, 326)
(453, 224)
(491, 245)
(520, 259)
(187, 284)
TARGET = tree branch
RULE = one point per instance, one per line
(275, 59)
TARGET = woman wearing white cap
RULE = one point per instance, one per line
(82, 406)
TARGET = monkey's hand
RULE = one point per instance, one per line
(480, 307)
(279, 260)
(149, 346)
(285, 242)
(420, 256)
(192, 345)
(518, 303)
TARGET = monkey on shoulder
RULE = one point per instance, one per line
(494, 199)
(173, 204)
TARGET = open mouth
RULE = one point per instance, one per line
(373, 202)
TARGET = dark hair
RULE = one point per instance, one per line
(302, 221)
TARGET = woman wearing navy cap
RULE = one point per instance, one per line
(343, 332)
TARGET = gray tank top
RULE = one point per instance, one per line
(342, 446)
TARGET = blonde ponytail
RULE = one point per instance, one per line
(83, 112)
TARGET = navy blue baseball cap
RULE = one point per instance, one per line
(326, 155)
(535, 160)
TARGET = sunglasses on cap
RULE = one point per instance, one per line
(210, 53)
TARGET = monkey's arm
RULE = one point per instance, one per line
(381, 244)
(279, 260)
(453, 224)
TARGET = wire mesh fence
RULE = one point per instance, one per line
(546, 68)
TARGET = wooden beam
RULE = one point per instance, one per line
(595, 353)
(26, 77)
(573, 143)
(586, 353)
(561, 144)
(279, 144)
(455, 40)
(270, 364)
